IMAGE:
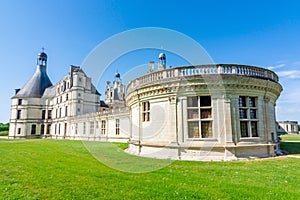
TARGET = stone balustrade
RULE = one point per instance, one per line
(210, 69)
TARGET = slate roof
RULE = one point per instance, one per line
(36, 86)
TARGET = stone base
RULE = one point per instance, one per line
(215, 153)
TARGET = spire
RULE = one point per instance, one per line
(37, 84)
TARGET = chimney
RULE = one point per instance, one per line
(17, 90)
(151, 64)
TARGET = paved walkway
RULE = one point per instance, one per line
(293, 156)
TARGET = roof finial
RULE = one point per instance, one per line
(43, 49)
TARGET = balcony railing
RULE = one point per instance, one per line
(211, 69)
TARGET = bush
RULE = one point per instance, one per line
(4, 127)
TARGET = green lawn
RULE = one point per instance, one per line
(290, 143)
(62, 169)
(3, 133)
(290, 137)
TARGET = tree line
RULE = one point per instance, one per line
(4, 127)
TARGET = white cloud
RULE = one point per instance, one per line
(276, 66)
(292, 74)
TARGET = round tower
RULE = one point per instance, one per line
(162, 61)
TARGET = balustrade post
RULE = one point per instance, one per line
(219, 69)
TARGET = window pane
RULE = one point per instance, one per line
(205, 101)
(244, 129)
(251, 102)
(242, 101)
(254, 129)
(253, 114)
(192, 101)
(193, 114)
(206, 129)
(193, 128)
(243, 114)
(205, 113)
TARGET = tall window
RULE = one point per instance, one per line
(33, 129)
(91, 127)
(66, 111)
(248, 116)
(49, 114)
(19, 112)
(19, 101)
(43, 114)
(19, 131)
(48, 129)
(117, 127)
(42, 129)
(103, 127)
(199, 113)
(146, 111)
(84, 127)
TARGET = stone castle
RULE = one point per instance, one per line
(201, 112)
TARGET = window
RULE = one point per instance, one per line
(117, 127)
(65, 129)
(48, 129)
(60, 112)
(33, 129)
(84, 127)
(60, 98)
(19, 112)
(146, 111)
(43, 114)
(49, 114)
(103, 127)
(67, 97)
(199, 113)
(66, 111)
(19, 131)
(248, 116)
(58, 129)
(19, 101)
(42, 129)
(76, 129)
(92, 127)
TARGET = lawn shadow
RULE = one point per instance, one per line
(290, 147)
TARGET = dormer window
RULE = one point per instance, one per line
(19, 101)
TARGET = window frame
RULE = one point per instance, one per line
(250, 120)
(117, 126)
(145, 111)
(103, 127)
(199, 113)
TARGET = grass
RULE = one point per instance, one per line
(62, 169)
(3, 133)
(290, 143)
(290, 137)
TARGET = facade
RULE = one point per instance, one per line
(287, 127)
(202, 112)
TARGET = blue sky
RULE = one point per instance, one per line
(262, 33)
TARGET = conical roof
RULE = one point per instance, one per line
(38, 83)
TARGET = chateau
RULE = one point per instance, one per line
(201, 112)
